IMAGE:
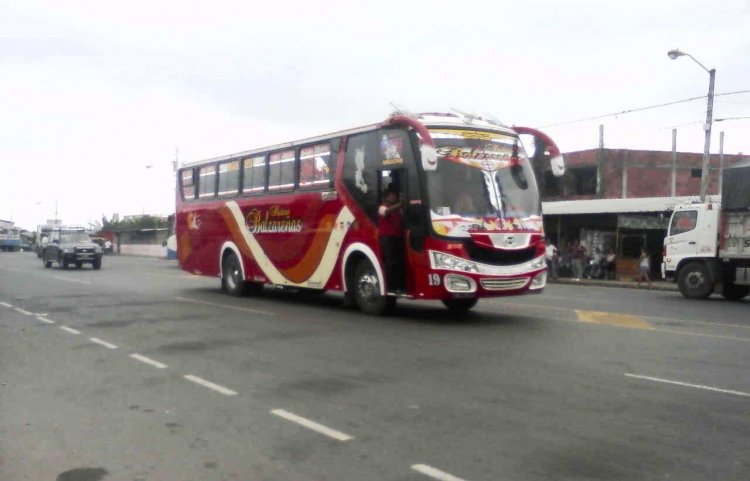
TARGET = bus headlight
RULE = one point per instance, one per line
(446, 261)
(538, 281)
(539, 263)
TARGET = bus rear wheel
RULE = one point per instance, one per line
(367, 291)
(460, 305)
(694, 281)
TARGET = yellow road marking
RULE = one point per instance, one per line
(612, 319)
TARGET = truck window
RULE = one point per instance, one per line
(683, 221)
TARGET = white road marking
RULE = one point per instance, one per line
(70, 330)
(45, 320)
(149, 361)
(687, 384)
(700, 334)
(25, 313)
(435, 473)
(331, 433)
(210, 385)
(106, 344)
(60, 278)
(216, 304)
(6, 304)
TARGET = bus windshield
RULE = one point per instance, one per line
(483, 181)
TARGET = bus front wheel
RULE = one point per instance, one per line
(460, 305)
(367, 291)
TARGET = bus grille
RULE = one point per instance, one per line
(503, 284)
(499, 257)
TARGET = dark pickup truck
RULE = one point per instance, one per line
(71, 246)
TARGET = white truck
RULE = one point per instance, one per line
(707, 247)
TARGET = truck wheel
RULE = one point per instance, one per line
(47, 264)
(97, 263)
(460, 305)
(367, 291)
(695, 281)
(63, 264)
(733, 292)
(79, 264)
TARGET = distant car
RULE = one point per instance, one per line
(71, 245)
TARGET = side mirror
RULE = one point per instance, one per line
(557, 164)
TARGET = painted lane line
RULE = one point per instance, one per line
(106, 344)
(210, 385)
(70, 330)
(148, 361)
(6, 304)
(700, 334)
(687, 384)
(24, 312)
(435, 473)
(216, 304)
(45, 320)
(60, 278)
(331, 433)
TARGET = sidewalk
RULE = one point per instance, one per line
(655, 285)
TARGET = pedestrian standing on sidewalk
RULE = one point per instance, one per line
(578, 253)
(644, 266)
(551, 254)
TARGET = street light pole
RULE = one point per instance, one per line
(705, 173)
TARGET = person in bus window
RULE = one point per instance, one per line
(392, 240)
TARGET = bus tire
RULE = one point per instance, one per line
(733, 292)
(231, 276)
(460, 305)
(367, 291)
(694, 281)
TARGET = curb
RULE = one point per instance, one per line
(655, 285)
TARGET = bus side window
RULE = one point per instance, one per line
(207, 182)
(187, 181)
(314, 166)
(254, 174)
(229, 178)
(281, 170)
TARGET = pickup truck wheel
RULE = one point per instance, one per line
(47, 264)
(79, 264)
(733, 292)
(694, 281)
(97, 263)
(63, 264)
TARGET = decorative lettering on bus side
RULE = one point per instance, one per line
(274, 220)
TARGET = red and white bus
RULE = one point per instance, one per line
(304, 214)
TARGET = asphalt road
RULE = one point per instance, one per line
(140, 372)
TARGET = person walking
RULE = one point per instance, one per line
(644, 266)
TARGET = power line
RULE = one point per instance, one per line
(640, 109)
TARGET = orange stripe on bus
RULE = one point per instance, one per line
(310, 261)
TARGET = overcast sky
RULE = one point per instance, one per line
(94, 92)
